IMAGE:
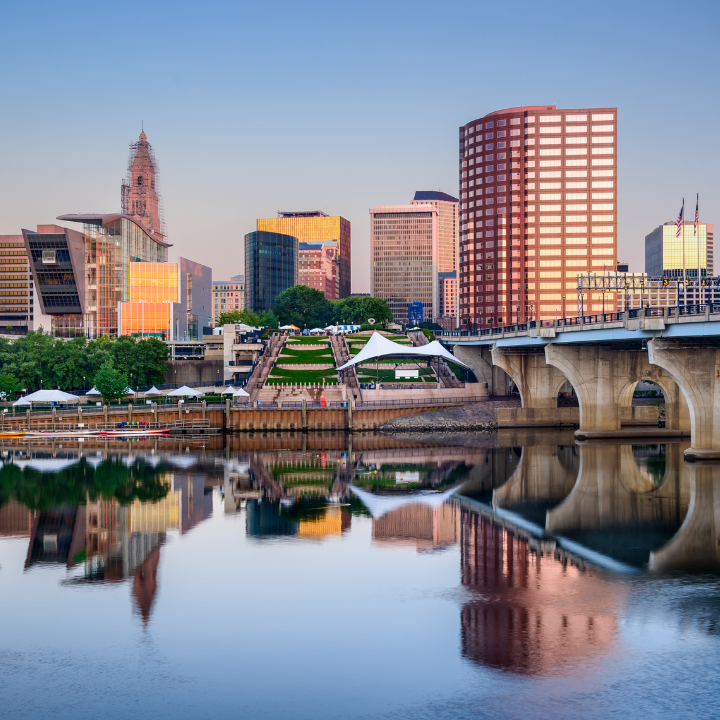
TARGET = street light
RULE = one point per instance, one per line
(83, 384)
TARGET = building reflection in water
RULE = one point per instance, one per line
(530, 612)
(420, 526)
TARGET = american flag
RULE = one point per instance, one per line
(697, 213)
(679, 221)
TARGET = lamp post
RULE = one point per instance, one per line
(83, 384)
(517, 307)
(563, 306)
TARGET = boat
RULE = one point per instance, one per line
(132, 432)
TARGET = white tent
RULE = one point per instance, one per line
(185, 391)
(94, 392)
(48, 396)
(380, 505)
(22, 401)
(317, 331)
(128, 391)
(378, 346)
(153, 392)
(229, 390)
(288, 327)
(241, 393)
(49, 465)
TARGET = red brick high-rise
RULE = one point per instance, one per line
(538, 207)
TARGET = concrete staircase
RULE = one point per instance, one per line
(342, 355)
(446, 377)
(265, 366)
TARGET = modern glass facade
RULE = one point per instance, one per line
(404, 252)
(146, 319)
(664, 251)
(16, 286)
(271, 266)
(538, 206)
(314, 226)
(153, 282)
(82, 276)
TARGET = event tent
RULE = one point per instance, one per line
(46, 397)
(153, 392)
(241, 393)
(94, 392)
(185, 391)
(288, 327)
(378, 346)
(229, 390)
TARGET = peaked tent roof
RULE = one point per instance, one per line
(47, 396)
(93, 391)
(380, 505)
(241, 393)
(153, 391)
(229, 390)
(185, 391)
(379, 346)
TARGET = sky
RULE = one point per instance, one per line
(258, 107)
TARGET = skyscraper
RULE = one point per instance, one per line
(404, 248)
(448, 237)
(139, 192)
(313, 228)
(271, 266)
(664, 251)
(538, 207)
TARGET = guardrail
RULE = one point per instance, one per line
(592, 319)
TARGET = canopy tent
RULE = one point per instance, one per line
(128, 391)
(229, 390)
(241, 393)
(380, 505)
(378, 346)
(153, 392)
(94, 392)
(317, 331)
(185, 391)
(47, 396)
(288, 327)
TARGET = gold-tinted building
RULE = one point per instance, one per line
(153, 282)
(16, 296)
(664, 251)
(314, 226)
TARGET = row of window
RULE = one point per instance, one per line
(569, 117)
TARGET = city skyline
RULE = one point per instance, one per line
(221, 173)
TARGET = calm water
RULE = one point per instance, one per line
(511, 575)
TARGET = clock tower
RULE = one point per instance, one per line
(140, 198)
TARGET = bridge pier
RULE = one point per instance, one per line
(537, 382)
(695, 367)
(604, 379)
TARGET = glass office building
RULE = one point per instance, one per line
(271, 266)
(16, 287)
(664, 251)
(315, 227)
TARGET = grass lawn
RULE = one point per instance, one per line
(307, 341)
(298, 357)
(289, 377)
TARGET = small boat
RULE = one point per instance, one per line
(131, 432)
(20, 433)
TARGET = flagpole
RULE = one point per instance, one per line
(695, 225)
(684, 272)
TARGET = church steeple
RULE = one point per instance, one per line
(139, 193)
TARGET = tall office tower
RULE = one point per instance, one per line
(139, 192)
(313, 227)
(538, 207)
(16, 287)
(448, 239)
(271, 266)
(404, 249)
(664, 251)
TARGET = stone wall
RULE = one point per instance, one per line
(184, 372)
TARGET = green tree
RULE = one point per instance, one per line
(150, 366)
(9, 385)
(234, 317)
(110, 382)
(303, 306)
(377, 308)
(268, 319)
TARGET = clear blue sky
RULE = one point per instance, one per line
(259, 107)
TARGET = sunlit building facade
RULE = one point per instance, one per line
(170, 301)
(16, 287)
(228, 295)
(538, 206)
(664, 251)
(318, 268)
(315, 227)
(271, 266)
(404, 249)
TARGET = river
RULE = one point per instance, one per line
(505, 575)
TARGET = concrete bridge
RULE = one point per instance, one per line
(603, 357)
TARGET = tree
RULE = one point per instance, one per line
(357, 310)
(111, 383)
(9, 385)
(303, 306)
(235, 317)
(377, 308)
